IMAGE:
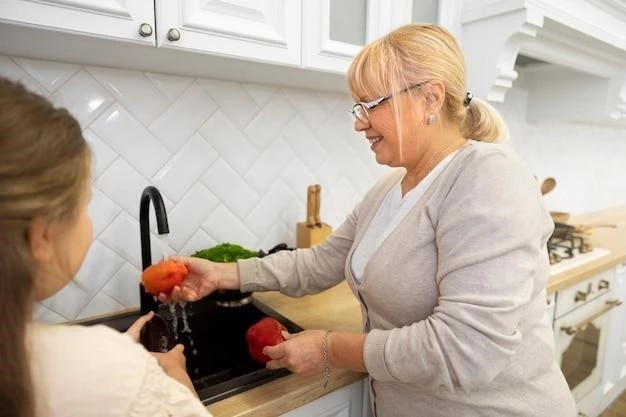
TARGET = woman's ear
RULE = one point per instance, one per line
(435, 96)
(40, 240)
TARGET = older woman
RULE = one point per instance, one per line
(446, 254)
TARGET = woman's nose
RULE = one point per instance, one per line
(360, 125)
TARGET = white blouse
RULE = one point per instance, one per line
(99, 372)
(391, 212)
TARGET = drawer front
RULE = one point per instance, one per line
(576, 295)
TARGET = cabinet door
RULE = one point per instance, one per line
(344, 402)
(614, 377)
(446, 13)
(260, 30)
(120, 19)
(333, 32)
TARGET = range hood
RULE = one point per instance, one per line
(577, 49)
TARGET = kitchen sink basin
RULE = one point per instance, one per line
(218, 361)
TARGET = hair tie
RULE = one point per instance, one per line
(468, 99)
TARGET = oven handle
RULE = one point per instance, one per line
(572, 330)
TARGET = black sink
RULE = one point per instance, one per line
(218, 361)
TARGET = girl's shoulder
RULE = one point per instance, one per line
(77, 367)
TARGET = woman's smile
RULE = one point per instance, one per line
(374, 140)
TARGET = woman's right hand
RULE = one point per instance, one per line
(203, 278)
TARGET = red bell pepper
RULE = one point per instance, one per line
(266, 332)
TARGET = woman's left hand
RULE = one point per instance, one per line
(135, 329)
(301, 353)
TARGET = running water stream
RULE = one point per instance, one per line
(186, 329)
(166, 251)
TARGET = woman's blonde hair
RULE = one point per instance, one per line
(44, 166)
(414, 55)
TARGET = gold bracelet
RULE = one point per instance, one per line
(326, 365)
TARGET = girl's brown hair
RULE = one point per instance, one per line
(44, 163)
(416, 54)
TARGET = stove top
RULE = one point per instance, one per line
(215, 347)
(568, 249)
(577, 260)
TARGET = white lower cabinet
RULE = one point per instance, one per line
(614, 376)
(344, 402)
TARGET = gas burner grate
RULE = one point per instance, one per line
(565, 243)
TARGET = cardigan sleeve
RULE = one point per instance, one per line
(490, 237)
(302, 271)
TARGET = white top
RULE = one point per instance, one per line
(99, 372)
(391, 212)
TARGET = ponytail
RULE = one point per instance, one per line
(484, 123)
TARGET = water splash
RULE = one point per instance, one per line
(163, 344)
(172, 308)
(186, 328)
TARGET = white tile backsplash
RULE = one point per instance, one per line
(51, 75)
(177, 176)
(233, 161)
(232, 145)
(83, 96)
(587, 161)
(183, 117)
(134, 91)
(129, 138)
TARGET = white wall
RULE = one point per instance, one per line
(232, 161)
(587, 161)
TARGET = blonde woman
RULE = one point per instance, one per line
(446, 254)
(45, 231)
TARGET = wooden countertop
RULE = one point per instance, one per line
(338, 309)
(611, 239)
(334, 309)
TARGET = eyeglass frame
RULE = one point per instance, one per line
(375, 103)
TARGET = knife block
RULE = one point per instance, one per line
(310, 236)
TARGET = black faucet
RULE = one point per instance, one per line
(150, 193)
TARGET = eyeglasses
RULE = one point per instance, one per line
(359, 110)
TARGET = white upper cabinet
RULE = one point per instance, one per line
(334, 31)
(131, 20)
(261, 30)
(193, 37)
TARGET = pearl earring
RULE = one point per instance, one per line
(431, 119)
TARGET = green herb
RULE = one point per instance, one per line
(225, 252)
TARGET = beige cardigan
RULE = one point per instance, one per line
(454, 299)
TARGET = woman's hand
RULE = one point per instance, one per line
(134, 331)
(203, 278)
(301, 353)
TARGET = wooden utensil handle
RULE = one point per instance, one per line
(318, 205)
(310, 206)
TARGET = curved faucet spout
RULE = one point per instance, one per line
(149, 194)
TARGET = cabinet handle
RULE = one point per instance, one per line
(603, 284)
(173, 35)
(145, 30)
(609, 305)
(580, 296)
